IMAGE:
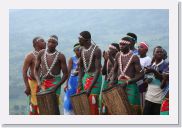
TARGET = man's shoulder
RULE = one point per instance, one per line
(29, 54)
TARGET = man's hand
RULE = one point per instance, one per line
(65, 88)
(27, 91)
(149, 70)
(105, 55)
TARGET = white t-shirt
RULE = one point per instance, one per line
(146, 61)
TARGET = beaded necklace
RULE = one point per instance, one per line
(35, 53)
(52, 65)
(123, 69)
(90, 59)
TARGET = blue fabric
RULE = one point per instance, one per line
(135, 52)
(72, 86)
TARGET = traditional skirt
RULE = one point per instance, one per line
(133, 97)
(33, 99)
(165, 107)
(49, 84)
(94, 95)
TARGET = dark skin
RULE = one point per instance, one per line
(95, 65)
(29, 64)
(70, 64)
(158, 55)
(142, 51)
(134, 70)
(60, 64)
(108, 57)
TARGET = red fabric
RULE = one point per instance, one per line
(48, 83)
(93, 107)
(165, 105)
(143, 44)
(34, 110)
(88, 83)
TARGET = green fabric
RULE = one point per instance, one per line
(133, 97)
(57, 80)
(98, 83)
(164, 113)
(105, 84)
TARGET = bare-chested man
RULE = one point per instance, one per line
(127, 66)
(29, 78)
(90, 78)
(52, 62)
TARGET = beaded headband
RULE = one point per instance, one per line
(124, 42)
(113, 47)
(53, 38)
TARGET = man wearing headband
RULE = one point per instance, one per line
(127, 70)
(145, 61)
(52, 62)
(154, 94)
(133, 38)
(107, 70)
(29, 77)
(90, 78)
(72, 82)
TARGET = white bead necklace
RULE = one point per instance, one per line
(51, 54)
(90, 59)
(52, 65)
(123, 71)
(35, 53)
(86, 50)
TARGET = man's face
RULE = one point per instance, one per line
(112, 51)
(158, 53)
(41, 44)
(141, 50)
(124, 47)
(82, 41)
(52, 44)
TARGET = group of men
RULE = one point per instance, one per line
(144, 79)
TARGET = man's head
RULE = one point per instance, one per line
(124, 44)
(84, 37)
(39, 43)
(158, 53)
(76, 49)
(52, 42)
(142, 48)
(113, 49)
(133, 38)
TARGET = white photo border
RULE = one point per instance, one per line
(172, 6)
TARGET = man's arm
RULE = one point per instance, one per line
(70, 63)
(138, 69)
(64, 70)
(98, 69)
(36, 69)
(80, 73)
(115, 71)
(26, 66)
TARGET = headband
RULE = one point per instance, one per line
(125, 42)
(144, 45)
(113, 47)
(53, 38)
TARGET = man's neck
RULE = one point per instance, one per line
(88, 45)
(142, 56)
(126, 51)
(51, 51)
(158, 61)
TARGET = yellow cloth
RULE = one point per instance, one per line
(33, 87)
